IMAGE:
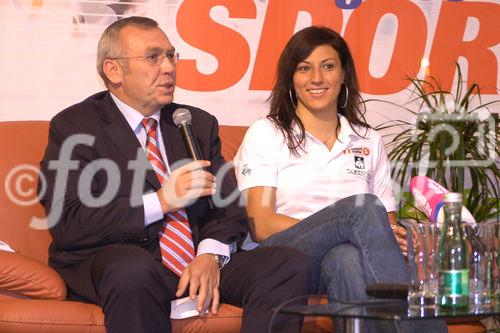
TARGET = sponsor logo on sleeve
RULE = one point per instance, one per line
(246, 171)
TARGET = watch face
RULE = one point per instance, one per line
(220, 260)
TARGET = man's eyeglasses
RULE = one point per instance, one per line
(155, 59)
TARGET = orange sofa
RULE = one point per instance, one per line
(32, 295)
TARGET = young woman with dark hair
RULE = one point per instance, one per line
(316, 177)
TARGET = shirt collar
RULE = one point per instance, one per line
(346, 131)
(133, 117)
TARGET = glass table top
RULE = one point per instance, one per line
(386, 309)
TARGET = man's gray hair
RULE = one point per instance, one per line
(109, 45)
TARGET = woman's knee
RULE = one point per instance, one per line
(368, 210)
(366, 201)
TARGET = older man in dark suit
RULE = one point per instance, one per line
(132, 239)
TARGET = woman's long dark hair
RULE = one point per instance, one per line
(283, 98)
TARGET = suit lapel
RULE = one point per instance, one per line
(124, 138)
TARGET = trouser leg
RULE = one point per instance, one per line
(342, 274)
(134, 290)
(341, 268)
(343, 279)
(359, 220)
(260, 281)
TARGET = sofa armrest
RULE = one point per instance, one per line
(26, 277)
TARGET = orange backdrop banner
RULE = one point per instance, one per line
(229, 49)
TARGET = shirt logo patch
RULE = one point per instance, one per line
(246, 171)
(357, 150)
(359, 162)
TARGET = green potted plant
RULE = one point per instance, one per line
(453, 140)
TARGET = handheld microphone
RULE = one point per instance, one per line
(428, 195)
(182, 119)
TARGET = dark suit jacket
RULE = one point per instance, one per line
(82, 229)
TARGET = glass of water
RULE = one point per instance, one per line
(423, 240)
(483, 240)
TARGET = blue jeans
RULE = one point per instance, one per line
(350, 245)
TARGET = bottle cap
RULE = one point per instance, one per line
(452, 197)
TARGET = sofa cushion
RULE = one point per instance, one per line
(21, 148)
(231, 137)
(26, 277)
(26, 316)
(228, 320)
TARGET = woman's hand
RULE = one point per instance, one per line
(400, 234)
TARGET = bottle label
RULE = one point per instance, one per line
(454, 282)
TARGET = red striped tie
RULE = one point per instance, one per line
(176, 241)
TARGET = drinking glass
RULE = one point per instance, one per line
(423, 241)
(483, 274)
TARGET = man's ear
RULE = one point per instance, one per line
(112, 70)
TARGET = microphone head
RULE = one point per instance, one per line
(181, 116)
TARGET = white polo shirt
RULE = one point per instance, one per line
(318, 177)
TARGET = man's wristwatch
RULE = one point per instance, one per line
(220, 260)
